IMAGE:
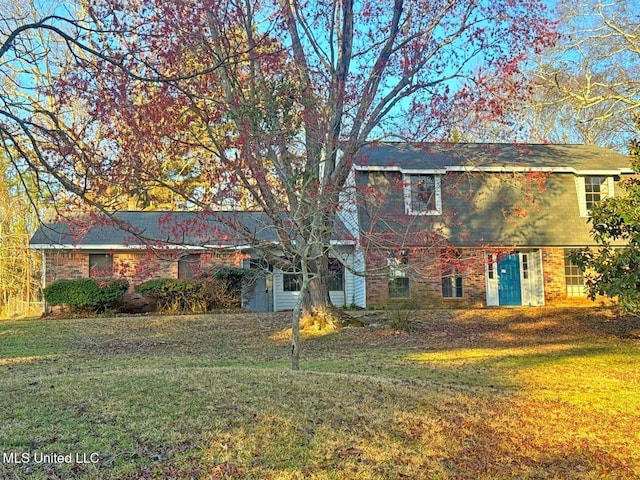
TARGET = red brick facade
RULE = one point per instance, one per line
(136, 267)
(425, 280)
(555, 287)
(424, 270)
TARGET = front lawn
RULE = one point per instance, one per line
(495, 393)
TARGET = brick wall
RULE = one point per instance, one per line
(136, 267)
(555, 287)
(67, 265)
(425, 279)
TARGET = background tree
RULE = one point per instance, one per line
(593, 72)
(270, 100)
(613, 269)
(19, 266)
(584, 89)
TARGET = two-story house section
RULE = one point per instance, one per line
(431, 224)
(478, 224)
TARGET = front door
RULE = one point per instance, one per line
(260, 297)
(509, 289)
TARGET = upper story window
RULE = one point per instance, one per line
(592, 190)
(596, 189)
(100, 265)
(422, 194)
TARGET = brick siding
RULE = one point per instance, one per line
(136, 267)
(555, 287)
(425, 280)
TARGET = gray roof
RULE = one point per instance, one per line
(569, 158)
(130, 229)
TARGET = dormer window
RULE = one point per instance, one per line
(422, 194)
(596, 189)
(592, 190)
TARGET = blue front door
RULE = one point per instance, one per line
(509, 274)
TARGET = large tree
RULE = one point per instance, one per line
(267, 101)
(585, 88)
(592, 73)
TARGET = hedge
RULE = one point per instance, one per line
(86, 293)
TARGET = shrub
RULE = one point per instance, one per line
(403, 317)
(174, 295)
(218, 293)
(223, 287)
(86, 293)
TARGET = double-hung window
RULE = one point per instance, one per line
(336, 275)
(291, 282)
(452, 286)
(451, 279)
(422, 194)
(573, 277)
(596, 189)
(398, 280)
(592, 190)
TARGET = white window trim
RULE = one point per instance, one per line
(406, 180)
(582, 192)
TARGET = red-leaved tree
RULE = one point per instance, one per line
(257, 104)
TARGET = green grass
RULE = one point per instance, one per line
(524, 393)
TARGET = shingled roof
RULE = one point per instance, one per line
(132, 229)
(580, 159)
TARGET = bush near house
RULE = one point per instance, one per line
(225, 286)
(214, 290)
(86, 293)
(174, 295)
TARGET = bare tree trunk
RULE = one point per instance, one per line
(295, 337)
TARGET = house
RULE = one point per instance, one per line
(431, 224)
(478, 224)
(141, 245)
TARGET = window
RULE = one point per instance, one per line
(100, 265)
(399, 287)
(398, 280)
(291, 282)
(491, 273)
(451, 280)
(422, 195)
(336, 275)
(189, 266)
(452, 286)
(595, 189)
(573, 277)
(525, 266)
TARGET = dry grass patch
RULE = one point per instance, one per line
(524, 393)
